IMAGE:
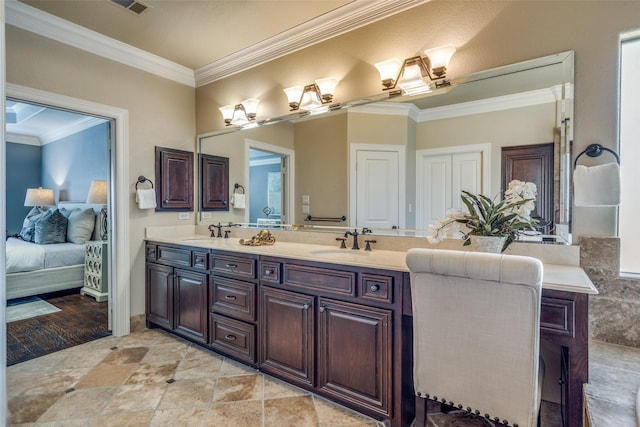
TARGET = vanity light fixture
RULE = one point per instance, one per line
(410, 75)
(241, 113)
(311, 96)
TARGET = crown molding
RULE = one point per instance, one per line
(22, 139)
(44, 24)
(388, 109)
(498, 103)
(339, 21)
(70, 129)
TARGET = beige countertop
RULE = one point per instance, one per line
(557, 277)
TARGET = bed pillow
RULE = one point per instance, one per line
(80, 226)
(51, 228)
(29, 224)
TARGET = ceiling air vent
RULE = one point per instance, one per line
(132, 5)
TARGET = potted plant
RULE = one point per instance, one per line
(501, 220)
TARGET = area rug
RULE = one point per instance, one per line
(25, 308)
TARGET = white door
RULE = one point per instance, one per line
(441, 179)
(377, 189)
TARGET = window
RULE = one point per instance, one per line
(629, 226)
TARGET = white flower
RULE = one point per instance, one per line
(517, 191)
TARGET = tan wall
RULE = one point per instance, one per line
(161, 113)
(487, 34)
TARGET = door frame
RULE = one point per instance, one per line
(118, 259)
(352, 174)
(288, 185)
(485, 151)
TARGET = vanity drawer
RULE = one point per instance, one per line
(200, 260)
(174, 256)
(150, 252)
(233, 298)
(270, 272)
(557, 316)
(374, 287)
(309, 278)
(234, 266)
(235, 338)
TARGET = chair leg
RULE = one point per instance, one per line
(421, 412)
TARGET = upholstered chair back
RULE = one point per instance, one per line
(476, 328)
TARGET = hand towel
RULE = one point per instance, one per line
(146, 198)
(597, 185)
(238, 200)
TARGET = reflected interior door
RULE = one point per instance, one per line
(377, 189)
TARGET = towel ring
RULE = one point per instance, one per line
(595, 150)
(142, 179)
(236, 186)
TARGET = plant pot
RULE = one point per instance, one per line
(492, 244)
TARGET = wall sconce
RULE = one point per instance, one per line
(409, 75)
(39, 197)
(241, 113)
(311, 96)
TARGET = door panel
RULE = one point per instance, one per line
(377, 189)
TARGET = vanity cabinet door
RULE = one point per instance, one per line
(355, 354)
(287, 335)
(174, 176)
(190, 302)
(159, 295)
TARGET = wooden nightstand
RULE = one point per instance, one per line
(96, 279)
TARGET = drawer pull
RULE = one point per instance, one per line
(374, 288)
(322, 309)
(230, 297)
(268, 272)
(230, 337)
(231, 265)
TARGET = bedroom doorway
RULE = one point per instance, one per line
(64, 156)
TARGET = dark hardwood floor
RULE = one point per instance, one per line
(80, 319)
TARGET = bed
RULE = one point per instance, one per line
(33, 268)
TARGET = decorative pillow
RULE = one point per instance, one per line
(29, 224)
(66, 212)
(51, 228)
(80, 226)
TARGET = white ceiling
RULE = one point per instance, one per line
(209, 39)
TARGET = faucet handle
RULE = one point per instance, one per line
(366, 230)
(226, 233)
(342, 240)
(368, 246)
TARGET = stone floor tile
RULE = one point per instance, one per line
(79, 404)
(131, 419)
(125, 355)
(237, 388)
(147, 373)
(189, 416)
(138, 397)
(238, 414)
(202, 367)
(331, 414)
(28, 409)
(274, 388)
(290, 411)
(188, 393)
(105, 375)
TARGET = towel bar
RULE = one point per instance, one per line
(324, 218)
(142, 179)
(595, 150)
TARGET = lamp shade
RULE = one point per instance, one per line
(97, 193)
(440, 56)
(389, 69)
(39, 197)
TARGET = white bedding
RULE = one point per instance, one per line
(26, 256)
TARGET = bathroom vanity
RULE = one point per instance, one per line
(333, 321)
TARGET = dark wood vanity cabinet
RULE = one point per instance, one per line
(331, 330)
(174, 176)
(214, 173)
(176, 290)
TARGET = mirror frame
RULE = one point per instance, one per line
(564, 95)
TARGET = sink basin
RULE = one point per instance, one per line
(337, 252)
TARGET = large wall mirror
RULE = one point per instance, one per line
(396, 164)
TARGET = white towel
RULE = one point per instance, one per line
(238, 200)
(597, 185)
(146, 198)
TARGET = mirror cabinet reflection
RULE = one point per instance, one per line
(397, 164)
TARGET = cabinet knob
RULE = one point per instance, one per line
(268, 272)
(230, 297)
(306, 307)
(322, 309)
(230, 337)
(374, 288)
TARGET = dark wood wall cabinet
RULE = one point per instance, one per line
(332, 329)
(214, 185)
(174, 177)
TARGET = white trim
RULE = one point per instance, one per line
(36, 21)
(70, 129)
(22, 139)
(484, 149)
(353, 15)
(4, 412)
(290, 174)
(402, 180)
(118, 194)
